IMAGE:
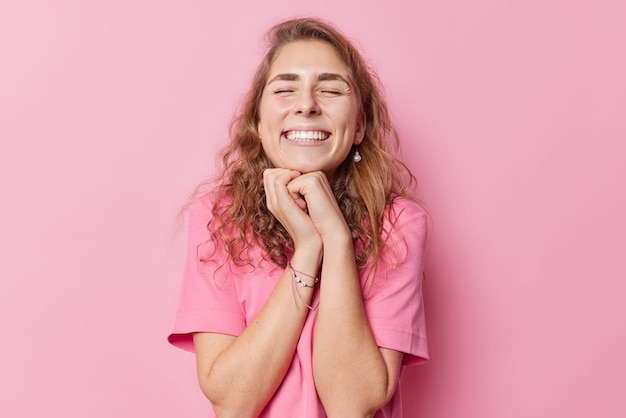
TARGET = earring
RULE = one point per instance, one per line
(357, 156)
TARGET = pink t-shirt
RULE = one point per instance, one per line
(224, 298)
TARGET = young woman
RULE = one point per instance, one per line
(302, 290)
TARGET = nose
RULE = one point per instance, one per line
(306, 104)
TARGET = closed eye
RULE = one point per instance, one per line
(333, 88)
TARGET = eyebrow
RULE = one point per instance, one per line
(296, 77)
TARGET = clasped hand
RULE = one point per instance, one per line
(305, 205)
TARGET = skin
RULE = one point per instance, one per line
(307, 89)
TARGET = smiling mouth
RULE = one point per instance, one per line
(306, 136)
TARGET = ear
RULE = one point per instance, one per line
(360, 128)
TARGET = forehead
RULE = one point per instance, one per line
(307, 56)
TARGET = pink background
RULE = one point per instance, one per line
(512, 116)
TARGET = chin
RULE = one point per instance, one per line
(301, 166)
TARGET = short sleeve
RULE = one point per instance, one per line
(208, 298)
(394, 301)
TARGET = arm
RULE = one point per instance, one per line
(353, 376)
(240, 374)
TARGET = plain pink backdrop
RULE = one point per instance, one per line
(512, 116)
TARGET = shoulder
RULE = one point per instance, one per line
(203, 206)
(404, 212)
(201, 217)
(405, 230)
(400, 260)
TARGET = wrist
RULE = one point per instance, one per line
(311, 246)
(340, 247)
(308, 258)
(338, 238)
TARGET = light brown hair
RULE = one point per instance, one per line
(363, 191)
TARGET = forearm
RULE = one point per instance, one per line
(350, 373)
(243, 377)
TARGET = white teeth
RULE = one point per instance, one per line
(307, 136)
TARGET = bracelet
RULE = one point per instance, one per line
(299, 280)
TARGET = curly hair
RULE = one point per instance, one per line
(363, 191)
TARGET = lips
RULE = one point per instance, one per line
(306, 136)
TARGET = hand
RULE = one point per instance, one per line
(290, 208)
(321, 205)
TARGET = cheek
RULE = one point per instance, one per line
(349, 121)
(275, 104)
(346, 113)
(267, 149)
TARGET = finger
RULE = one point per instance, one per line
(311, 184)
(300, 202)
(275, 181)
(278, 176)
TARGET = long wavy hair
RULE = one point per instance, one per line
(363, 191)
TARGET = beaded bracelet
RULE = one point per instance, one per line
(297, 279)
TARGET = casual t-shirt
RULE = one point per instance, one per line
(219, 296)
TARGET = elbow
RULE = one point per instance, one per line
(383, 398)
(229, 409)
(364, 404)
(229, 412)
(229, 403)
(377, 401)
(342, 401)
